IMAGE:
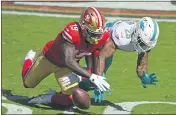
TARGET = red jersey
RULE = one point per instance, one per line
(71, 33)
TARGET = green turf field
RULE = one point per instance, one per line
(21, 33)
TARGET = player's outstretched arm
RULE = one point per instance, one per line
(88, 60)
(91, 62)
(108, 50)
(68, 55)
(142, 63)
(142, 67)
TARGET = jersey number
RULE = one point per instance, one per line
(74, 27)
(128, 35)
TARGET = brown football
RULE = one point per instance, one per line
(81, 98)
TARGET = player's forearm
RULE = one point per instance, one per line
(100, 65)
(107, 51)
(142, 64)
(88, 60)
(68, 56)
(73, 65)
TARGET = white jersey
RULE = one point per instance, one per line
(121, 32)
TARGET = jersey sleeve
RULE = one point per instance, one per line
(70, 33)
(104, 38)
(106, 35)
(47, 46)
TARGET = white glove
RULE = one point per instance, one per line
(100, 82)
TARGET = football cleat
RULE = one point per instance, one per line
(43, 99)
(30, 55)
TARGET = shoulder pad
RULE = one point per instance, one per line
(106, 34)
(71, 32)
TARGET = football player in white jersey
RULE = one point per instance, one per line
(130, 36)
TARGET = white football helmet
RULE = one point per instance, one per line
(145, 34)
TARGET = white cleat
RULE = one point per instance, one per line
(43, 99)
(29, 55)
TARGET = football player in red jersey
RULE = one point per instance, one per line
(61, 57)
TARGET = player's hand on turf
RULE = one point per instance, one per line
(149, 79)
(98, 95)
(100, 82)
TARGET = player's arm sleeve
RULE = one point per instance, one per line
(107, 51)
(68, 52)
(67, 37)
(91, 61)
(142, 63)
(88, 60)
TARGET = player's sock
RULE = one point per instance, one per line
(27, 64)
(62, 100)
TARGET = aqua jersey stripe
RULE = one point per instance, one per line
(110, 24)
(142, 25)
(155, 30)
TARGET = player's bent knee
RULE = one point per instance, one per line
(27, 85)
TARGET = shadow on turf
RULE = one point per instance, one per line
(24, 101)
(107, 103)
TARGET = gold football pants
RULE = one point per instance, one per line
(42, 68)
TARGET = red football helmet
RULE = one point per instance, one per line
(92, 22)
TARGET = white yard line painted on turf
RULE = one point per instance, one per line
(126, 107)
(70, 111)
(15, 109)
(76, 16)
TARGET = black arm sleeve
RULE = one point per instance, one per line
(68, 55)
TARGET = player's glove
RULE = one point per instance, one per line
(100, 82)
(149, 79)
(98, 95)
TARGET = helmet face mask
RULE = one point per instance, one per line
(145, 34)
(92, 23)
(93, 37)
(141, 46)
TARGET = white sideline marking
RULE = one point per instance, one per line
(4, 98)
(77, 16)
(69, 111)
(128, 106)
(15, 109)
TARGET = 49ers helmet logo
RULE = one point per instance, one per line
(87, 18)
